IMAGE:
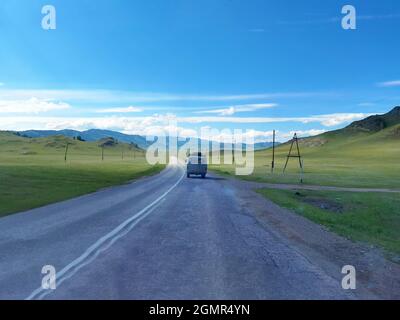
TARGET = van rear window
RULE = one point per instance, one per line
(198, 160)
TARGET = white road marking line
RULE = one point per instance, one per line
(100, 250)
(113, 236)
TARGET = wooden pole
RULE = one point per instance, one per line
(290, 153)
(298, 152)
(102, 153)
(233, 149)
(66, 152)
(273, 153)
(300, 161)
(295, 140)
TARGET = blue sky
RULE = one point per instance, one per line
(260, 65)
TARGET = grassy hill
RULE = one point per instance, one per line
(33, 171)
(378, 122)
(361, 155)
(91, 135)
(364, 154)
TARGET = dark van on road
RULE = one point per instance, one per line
(197, 165)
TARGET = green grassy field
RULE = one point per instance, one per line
(368, 217)
(357, 159)
(33, 172)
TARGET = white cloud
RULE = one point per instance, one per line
(249, 135)
(229, 111)
(152, 124)
(388, 84)
(32, 105)
(263, 136)
(328, 120)
(284, 136)
(331, 120)
(129, 109)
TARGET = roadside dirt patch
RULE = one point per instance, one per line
(324, 204)
(321, 203)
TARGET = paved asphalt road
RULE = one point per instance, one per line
(163, 237)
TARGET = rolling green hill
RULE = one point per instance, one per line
(33, 171)
(364, 154)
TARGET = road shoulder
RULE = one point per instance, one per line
(377, 277)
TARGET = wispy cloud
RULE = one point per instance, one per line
(106, 96)
(257, 30)
(32, 105)
(386, 84)
(231, 110)
(379, 16)
(262, 136)
(129, 109)
(324, 20)
(367, 104)
(328, 120)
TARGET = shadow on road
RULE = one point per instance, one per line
(207, 178)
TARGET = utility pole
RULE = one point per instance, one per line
(295, 140)
(102, 153)
(66, 152)
(273, 153)
(233, 149)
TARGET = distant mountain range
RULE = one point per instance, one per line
(98, 134)
(89, 135)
